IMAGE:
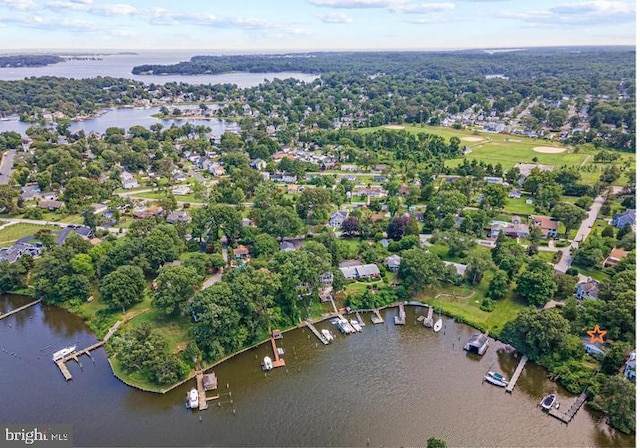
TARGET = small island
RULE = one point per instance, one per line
(29, 60)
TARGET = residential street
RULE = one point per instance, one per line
(6, 166)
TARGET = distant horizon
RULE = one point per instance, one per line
(314, 25)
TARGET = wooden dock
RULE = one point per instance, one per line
(566, 417)
(359, 317)
(24, 307)
(376, 318)
(61, 363)
(316, 332)
(401, 318)
(202, 396)
(277, 361)
(516, 374)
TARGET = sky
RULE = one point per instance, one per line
(283, 25)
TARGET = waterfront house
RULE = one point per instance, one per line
(622, 219)
(478, 344)
(338, 217)
(593, 348)
(359, 272)
(547, 225)
(11, 254)
(614, 257)
(630, 367)
(587, 289)
(392, 262)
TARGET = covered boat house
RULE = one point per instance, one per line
(478, 344)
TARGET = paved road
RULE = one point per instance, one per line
(215, 278)
(586, 225)
(6, 166)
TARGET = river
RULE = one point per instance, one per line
(388, 385)
(120, 65)
(125, 117)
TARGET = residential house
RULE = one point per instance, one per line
(630, 367)
(178, 216)
(614, 257)
(258, 164)
(547, 225)
(287, 246)
(146, 212)
(32, 192)
(493, 180)
(216, 169)
(622, 219)
(338, 217)
(128, 180)
(587, 289)
(460, 268)
(374, 191)
(292, 189)
(181, 190)
(593, 348)
(515, 194)
(392, 262)
(51, 205)
(241, 252)
(365, 271)
(289, 178)
(351, 168)
(11, 254)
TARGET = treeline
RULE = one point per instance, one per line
(24, 60)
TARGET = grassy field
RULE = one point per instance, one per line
(14, 232)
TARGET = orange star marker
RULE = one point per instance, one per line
(597, 335)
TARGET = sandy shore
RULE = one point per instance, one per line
(549, 149)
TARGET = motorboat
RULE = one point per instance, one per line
(267, 364)
(437, 326)
(192, 399)
(344, 326)
(64, 352)
(327, 334)
(356, 325)
(548, 401)
(496, 379)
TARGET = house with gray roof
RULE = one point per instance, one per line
(622, 219)
(364, 271)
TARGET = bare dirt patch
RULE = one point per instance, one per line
(549, 149)
(396, 127)
(472, 139)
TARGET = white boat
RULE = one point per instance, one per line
(327, 334)
(344, 326)
(437, 326)
(64, 352)
(267, 364)
(548, 401)
(356, 325)
(192, 399)
(496, 379)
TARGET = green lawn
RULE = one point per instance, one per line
(518, 206)
(14, 232)
(593, 273)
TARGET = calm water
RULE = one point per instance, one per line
(391, 385)
(120, 65)
(127, 117)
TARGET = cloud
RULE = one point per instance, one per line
(355, 4)
(22, 5)
(109, 9)
(424, 8)
(336, 17)
(575, 14)
(51, 23)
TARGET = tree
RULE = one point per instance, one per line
(499, 285)
(566, 286)
(396, 227)
(570, 215)
(175, 285)
(616, 398)
(419, 269)
(280, 221)
(536, 333)
(477, 264)
(614, 358)
(161, 245)
(494, 197)
(89, 218)
(123, 287)
(436, 443)
(314, 204)
(535, 284)
(264, 245)
(8, 197)
(351, 226)
(10, 277)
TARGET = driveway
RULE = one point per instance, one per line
(6, 166)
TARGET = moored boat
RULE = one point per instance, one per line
(64, 352)
(437, 326)
(192, 399)
(548, 401)
(267, 364)
(327, 334)
(496, 379)
(356, 325)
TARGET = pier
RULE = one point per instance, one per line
(24, 307)
(428, 321)
(316, 332)
(203, 384)
(402, 316)
(566, 417)
(359, 317)
(277, 361)
(376, 318)
(61, 363)
(516, 374)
